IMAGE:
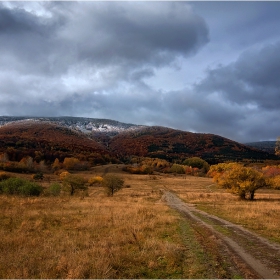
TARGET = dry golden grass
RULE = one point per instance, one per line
(260, 215)
(89, 238)
(130, 235)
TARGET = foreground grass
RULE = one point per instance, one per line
(131, 235)
(95, 237)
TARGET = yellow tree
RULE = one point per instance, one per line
(70, 163)
(216, 171)
(56, 164)
(240, 180)
(276, 182)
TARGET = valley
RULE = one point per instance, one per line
(167, 218)
(137, 233)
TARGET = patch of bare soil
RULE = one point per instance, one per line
(250, 255)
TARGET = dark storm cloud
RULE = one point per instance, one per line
(100, 34)
(244, 96)
(252, 80)
(107, 60)
(16, 22)
(135, 32)
(27, 43)
(92, 48)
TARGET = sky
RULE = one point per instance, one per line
(207, 67)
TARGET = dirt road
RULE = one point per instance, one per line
(249, 254)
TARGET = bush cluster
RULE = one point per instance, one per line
(18, 186)
(53, 190)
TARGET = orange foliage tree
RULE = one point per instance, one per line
(240, 180)
(70, 163)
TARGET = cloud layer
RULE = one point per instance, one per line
(103, 59)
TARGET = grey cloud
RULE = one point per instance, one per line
(97, 46)
(252, 80)
(16, 21)
(243, 98)
(26, 42)
(95, 59)
(120, 32)
(105, 33)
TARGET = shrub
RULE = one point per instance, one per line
(177, 168)
(112, 184)
(31, 189)
(63, 174)
(53, 190)
(146, 169)
(95, 180)
(18, 186)
(197, 163)
(38, 176)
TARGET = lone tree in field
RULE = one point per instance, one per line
(73, 182)
(240, 180)
(112, 183)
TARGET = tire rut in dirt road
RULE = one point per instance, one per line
(252, 255)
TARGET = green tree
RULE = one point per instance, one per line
(73, 182)
(112, 183)
(197, 162)
(240, 180)
(177, 168)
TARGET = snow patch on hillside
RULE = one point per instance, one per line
(84, 125)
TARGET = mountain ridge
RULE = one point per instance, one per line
(267, 146)
(116, 140)
(85, 125)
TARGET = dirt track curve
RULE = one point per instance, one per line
(251, 255)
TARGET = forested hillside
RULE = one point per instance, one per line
(47, 141)
(170, 144)
(109, 141)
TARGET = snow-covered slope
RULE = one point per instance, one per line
(84, 125)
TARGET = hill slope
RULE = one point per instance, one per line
(85, 125)
(35, 138)
(171, 144)
(95, 139)
(267, 146)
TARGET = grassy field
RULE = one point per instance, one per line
(260, 215)
(130, 235)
